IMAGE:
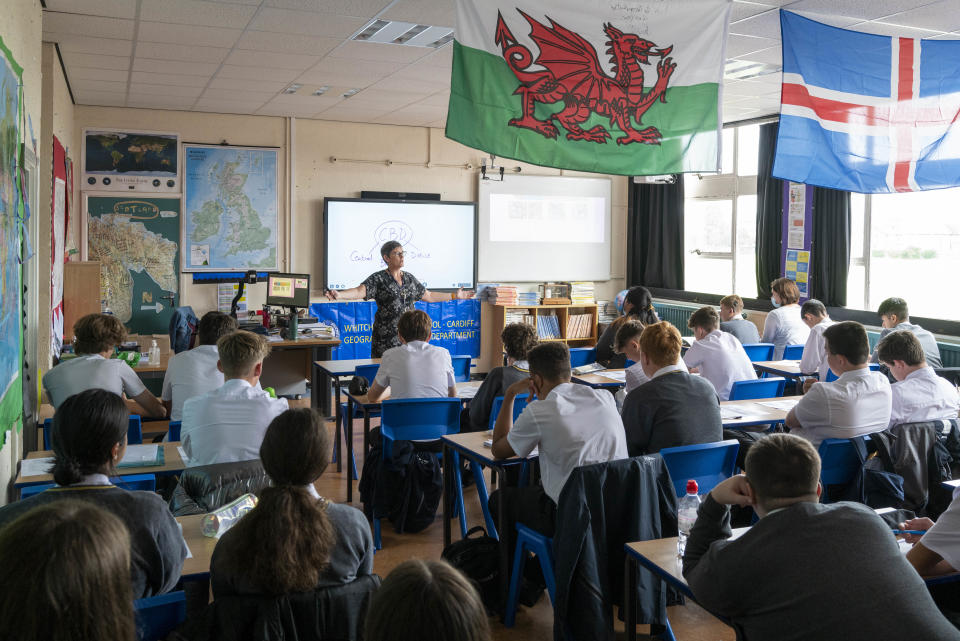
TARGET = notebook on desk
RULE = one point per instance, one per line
(588, 368)
(142, 456)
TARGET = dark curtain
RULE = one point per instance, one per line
(769, 212)
(655, 235)
(830, 251)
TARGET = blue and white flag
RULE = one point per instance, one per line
(867, 113)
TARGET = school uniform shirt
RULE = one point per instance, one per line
(228, 423)
(857, 403)
(635, 376)
(815, 351)
(783, 327)
(944, 537)
(91, 371)
(722, 361)
(745, 331)
(923, 396)
(416, 370)
(190, 374)
(927, 340)
(574, 425)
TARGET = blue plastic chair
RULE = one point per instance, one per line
(157, 616)
(839, 464)
(369, 372)
(414, 419)
(144, 482)
(542, 547)
(173, 431)
(758, 351)
(628, 364)
(580, 356)
(461, 368)
(134, 432)
(874, 367)
(705, 463)
(793, 352)
(759, 388)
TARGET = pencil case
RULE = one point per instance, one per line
(220, 520)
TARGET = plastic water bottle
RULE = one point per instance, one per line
(687, 515)
(154, 353)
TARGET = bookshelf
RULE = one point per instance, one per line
(575, 325)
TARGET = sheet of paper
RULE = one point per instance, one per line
(140, 454)
(35, 466)
(183, 455)
(186, 547)
(467, 391)
(785, 405)
(617, 375)
(727, 413)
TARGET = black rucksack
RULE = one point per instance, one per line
(406, 488)
(479, 559)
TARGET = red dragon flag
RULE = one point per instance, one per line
(605, 86)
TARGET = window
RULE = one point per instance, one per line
(720, 220)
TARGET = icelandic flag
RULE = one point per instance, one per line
(867, 113)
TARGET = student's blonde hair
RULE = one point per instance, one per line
(661, 343)
(240, 351)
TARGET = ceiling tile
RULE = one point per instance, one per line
(939, 16)
(257, 73)
(307, 23)
(443, 58)
(181, 52)
(742, 88)
(228, 106)
(109, 8)
(358, 8)
(286, 43)
(87, 44)
(98, 85)
(743, 9)
(354, 110)
(766, 25)
(196, 12)
(738, 46)
(80, 25)
(94, 73)
(771, 56)
(294, 61)
(174, 66)
(397, 83)
(251, 2)
(241, 84)
(88, 96)
(344, 78)
(169, 79)
(143, 89)
(377, 52)
(863, 9)
(430, 12)
(244, 95)
(425, 74)
(187, 34)
(884, 29)
(75, 59)
(100, 100)
(160, 102)
(438, 99)
(946, 36)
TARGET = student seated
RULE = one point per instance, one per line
(194, 372)
(783, 325)
(814, 315)
(228, 423)
(97, 336)
(718, 356)
(732, 320)
(806, 570)
(857, 403)
(415, 369)
(919, 394)
(628, 344)
(572, 424)
(294, 540)
(674, 407)
(66, 573)
(894, 315)
(518, 339)
(423, 600)
(637, 306)
(89, 439)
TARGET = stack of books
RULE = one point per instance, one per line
(607, 310)
(503, 295)
(581, 292)
(548, 327)
(580, 326)
(518, 316)
(528, 298)
(485, 291)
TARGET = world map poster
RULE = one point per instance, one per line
(9, 231)
(130, 161)
(231, 206)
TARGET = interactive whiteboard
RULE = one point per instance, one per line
(438, 240)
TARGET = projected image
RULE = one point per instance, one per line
(547, 219)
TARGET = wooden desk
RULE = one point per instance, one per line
(172, 463)
(319, 381)
(336, 369)
(201, 547)
(597, 380)
(787, 369)
(154, 370)
(754, 413)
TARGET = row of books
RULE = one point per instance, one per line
(519, 316)
(580, 326)
(528, 298)
(548, 327)
(581, 292)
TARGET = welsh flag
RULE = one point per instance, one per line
(628, 88)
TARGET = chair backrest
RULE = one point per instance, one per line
(628, 363)
(874, 367)
(706, 463)
(839, 463)
(369, 372)
(157, 616)
(30, 490)
(760, 388)
(144, 482)
(173, 431)
(461, 368)
(414, 419)
(758, 351)
(582, 356)
(793, 352)
(519, 402)
(134, 432)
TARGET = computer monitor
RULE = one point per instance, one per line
(288, 290)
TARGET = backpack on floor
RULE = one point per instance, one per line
(479, 559)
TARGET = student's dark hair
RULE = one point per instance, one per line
(518, 339)
(782, 466)
(901, 345)
(848, 339)
(426, 600)
(896, 306)
(388, 247)
(86, 426)
(414, 325)
(814, 308)
(732, 301)
(629, 330)
(213, 325)
(705, 318)
(285, 541)
(550, 360)
(97, 333)
(786, 289)
(66, 573)
(642, 302)
(661, 343)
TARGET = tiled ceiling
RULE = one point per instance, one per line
(238, 56)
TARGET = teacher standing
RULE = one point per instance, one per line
(395, 291)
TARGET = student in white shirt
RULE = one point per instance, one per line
(857, 403)
(919, 394)
(195, 371)
(718, 356)
(783, 325)
(415, 369)
(938, 550)
(97, 336)
(228, 423)
(628, 343)
(732, 320)
(814, 315)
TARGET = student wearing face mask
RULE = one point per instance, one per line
(784, 325)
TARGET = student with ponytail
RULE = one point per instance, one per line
(89, 438)
(294, 540)
(637, 306)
